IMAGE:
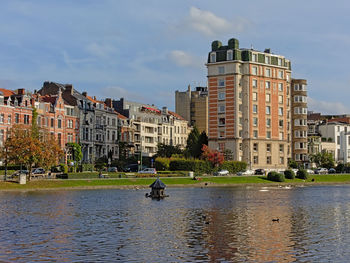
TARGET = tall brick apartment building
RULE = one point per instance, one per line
(249, 104)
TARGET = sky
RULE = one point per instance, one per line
(146, 50)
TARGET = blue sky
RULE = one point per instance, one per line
(146, 50)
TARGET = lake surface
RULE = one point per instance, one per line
(192, 225)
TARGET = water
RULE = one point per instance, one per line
(192, 225)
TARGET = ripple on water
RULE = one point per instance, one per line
(192, 225)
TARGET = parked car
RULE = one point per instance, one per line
(260, 171)
(221, 173)
(38, 171)
(112, 169)
(247, 172)
(133, 168)
(309, 171)
(321, 171)
(17, 173)
(332, 171)
(148, 171)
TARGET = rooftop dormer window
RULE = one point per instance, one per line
(213, 57)
(229, 55)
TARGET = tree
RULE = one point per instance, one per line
(31, 147)
(195, 142)
(323, 159)
(165, 150)
(213, 156)
(75, 149)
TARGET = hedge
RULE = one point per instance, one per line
(86, 167)
(302, 174)
(233, 166)
(289, 174)
(198, 166)
(162, 164)
(276, 177)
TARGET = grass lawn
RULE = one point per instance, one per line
(92, 181)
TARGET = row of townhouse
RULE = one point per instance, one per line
(97, 125)
(149, 126)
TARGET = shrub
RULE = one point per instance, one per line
(302, 174)
(162, 164)
(87, 167)
(198, 166)
(289, 174)
(276, 177)
(233, 166)
(64, 168)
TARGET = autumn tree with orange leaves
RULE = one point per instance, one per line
(31, 146)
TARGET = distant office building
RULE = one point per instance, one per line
(193, 106)
(249, 104)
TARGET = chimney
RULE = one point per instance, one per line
(109, 103)
(20, 92)
(69, 89)
(94, 97)
(84, 93)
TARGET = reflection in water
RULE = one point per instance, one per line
(192, 225)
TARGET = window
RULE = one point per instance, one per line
(255, 121)
(255, 96)
(280, 123)
(268, 135)
(2, 117)
(279, 62)
(280, 74)
(1, 138)
(267, 72)
(52, 122)
(281, 160)
(281, 148)
(255, 108)
(267, 97)
(221, 95)
(240, 121)
(59, 139)
(268, 159)
(281, 135)
(267, 59)
(267, 85)
(26, 119)
(296, 87)
(254, 57)
(221, 134)
(240, 132)
(229, 55)
(255, 159)
(255, 83)
(240, 107)
(221, 108)
(280, 86)
(280, 111)
(280, 98)
(221, 121)
(268, 147)
(255, 147)
(338, 139)
(59, 123)
(221, 83)
(255, 71)
(268, 122)
(221, 69)
(9, 119)
(17, 118)
(268, 110)
(212, 57)
(255, 134)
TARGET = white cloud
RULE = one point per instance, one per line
(211, 25)
(327, 107)
(71, 61)
(184, 59)
(98, 50)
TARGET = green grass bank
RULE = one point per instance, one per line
(87, 183)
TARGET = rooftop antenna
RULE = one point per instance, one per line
(251, 46)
